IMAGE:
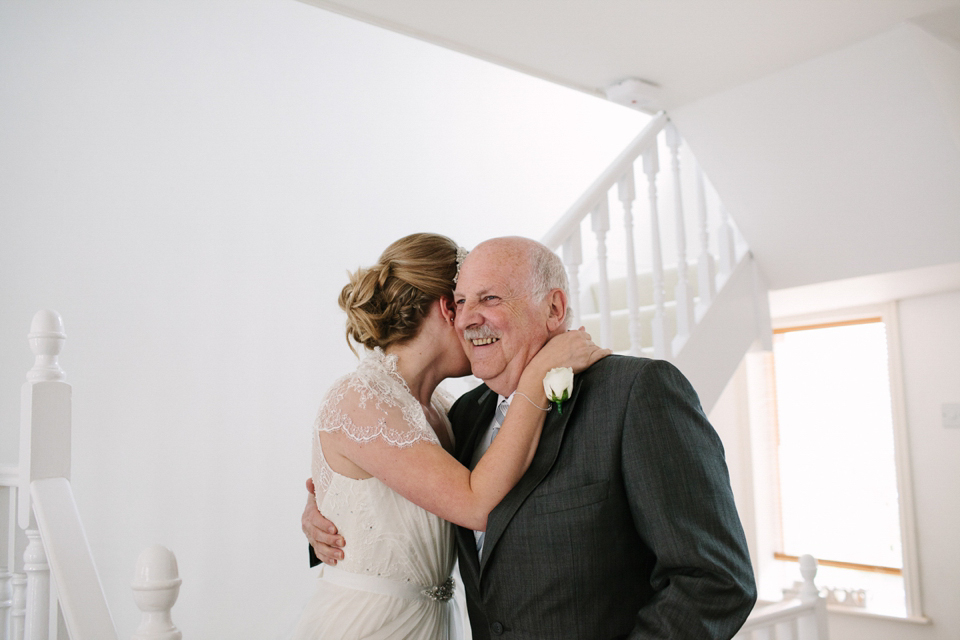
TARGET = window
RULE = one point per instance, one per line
(840, 484)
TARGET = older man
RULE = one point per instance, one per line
(624, 526)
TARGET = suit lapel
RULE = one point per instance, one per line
(466, 444)
(543, 461)
(468, 437)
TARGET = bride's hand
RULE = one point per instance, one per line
(573, 349)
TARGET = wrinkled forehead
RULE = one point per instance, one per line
(494, 268)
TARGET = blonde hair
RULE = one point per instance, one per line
(387, 302)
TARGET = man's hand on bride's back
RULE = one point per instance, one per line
(321, 533)
(573, 349)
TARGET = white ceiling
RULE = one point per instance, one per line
(690, 48)
(830, 128)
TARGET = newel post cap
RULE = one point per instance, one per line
(156, 585)
(156, 569)
(46, 339)
(808, 569)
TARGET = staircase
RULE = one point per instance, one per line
(49, 586)
(704, 314)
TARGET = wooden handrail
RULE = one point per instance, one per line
(893, 571)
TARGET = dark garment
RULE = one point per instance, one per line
(623, 527)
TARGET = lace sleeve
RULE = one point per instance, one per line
(372, 403)
(364, 413)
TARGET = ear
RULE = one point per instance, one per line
(556, 302)
(447, 308)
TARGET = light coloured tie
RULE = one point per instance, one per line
(498, 418)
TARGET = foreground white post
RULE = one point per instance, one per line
(155, 590)
(44, 453)
(811, 627)
(47, 510)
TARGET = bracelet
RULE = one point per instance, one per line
(532, 402)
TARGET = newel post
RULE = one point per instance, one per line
(44, 453)
(156, 586)
(815, 627)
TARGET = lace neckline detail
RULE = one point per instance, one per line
(374, 403)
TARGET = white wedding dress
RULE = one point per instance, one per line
(394, 581)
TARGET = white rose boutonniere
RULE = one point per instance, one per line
(558, 385)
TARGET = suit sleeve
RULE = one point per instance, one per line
(680, 499)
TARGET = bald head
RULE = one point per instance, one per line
(539, 269)
(511, 299)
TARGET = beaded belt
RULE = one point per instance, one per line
(388, 587)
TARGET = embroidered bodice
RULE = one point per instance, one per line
(388, 536)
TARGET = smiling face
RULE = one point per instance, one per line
(500, 323)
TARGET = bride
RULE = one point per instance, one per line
(383, 467)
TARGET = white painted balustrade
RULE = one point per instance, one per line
(676, 295)
(800, 618)
(49, 587)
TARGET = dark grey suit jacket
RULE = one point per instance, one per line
(623, 527)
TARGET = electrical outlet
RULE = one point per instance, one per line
(951, 415)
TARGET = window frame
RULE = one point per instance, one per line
(888, 314)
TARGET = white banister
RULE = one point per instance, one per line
(706, 279)
(600, 223)
(683, 294)
(627, 193)
(664, 309)
(559, 232)
(82, 600)
(801, 618)
(572, 259)
(156, 586)
(57, 545)
(651, 167)
(44, 453)
(45, 412)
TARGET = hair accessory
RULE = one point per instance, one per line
(461, 254)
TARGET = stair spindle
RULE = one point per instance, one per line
(651, 167)
(600, 223)
(18, 612)
(727, 247)
(572, 259)
(706, 279)
(6, 599)
(627, 193)
(682, 292)
(37, 620)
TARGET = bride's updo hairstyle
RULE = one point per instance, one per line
(387, 302)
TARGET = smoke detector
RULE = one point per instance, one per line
(638, 94)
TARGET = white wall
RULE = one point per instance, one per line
(187, 183)
(845, 165)
(930, 346)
